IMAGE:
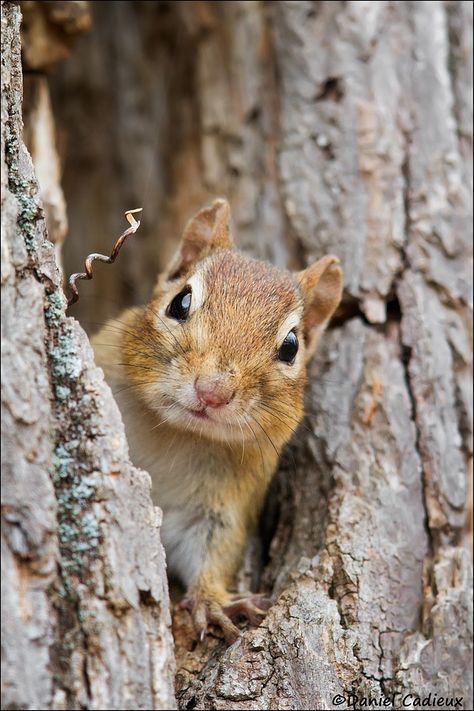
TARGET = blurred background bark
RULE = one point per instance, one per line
(341, 127)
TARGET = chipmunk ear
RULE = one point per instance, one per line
(321, 287)
(209, 229)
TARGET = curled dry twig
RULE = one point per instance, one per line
(134, 225)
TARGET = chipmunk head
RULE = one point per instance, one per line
(228, 337)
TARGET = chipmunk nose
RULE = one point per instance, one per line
(213, 391)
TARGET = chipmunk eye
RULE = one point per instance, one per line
(289, 348)
(180, 305)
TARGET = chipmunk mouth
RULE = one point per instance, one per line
(200, 414)
(215, 425)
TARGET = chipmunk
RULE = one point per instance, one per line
(210, 378)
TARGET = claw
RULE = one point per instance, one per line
(257, 599)
(218, 617)
(200, 619)
(264, 603)
(245, 608)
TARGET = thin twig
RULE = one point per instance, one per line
(134, 225)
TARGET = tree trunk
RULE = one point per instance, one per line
(332, 127)
(84, 593)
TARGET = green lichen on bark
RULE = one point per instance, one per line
(25, 191)
(75, 485)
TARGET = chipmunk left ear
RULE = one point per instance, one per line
(209, 229)
(321, 287)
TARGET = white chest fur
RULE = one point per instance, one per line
(179, 468)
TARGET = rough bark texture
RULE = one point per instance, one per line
(332, 127)
(85, 614)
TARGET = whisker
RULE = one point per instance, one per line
(133, 385)
(157, 315)
(258, 444)
(167, 419)
(154, 343)
(265, 433)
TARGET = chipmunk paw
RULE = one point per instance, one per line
(205, 612)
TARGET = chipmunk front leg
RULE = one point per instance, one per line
(209, 599)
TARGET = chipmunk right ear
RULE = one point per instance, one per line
(206, 231)
(321, 286)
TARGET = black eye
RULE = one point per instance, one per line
(179, 307)
(289, 348)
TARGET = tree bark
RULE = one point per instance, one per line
(85, 612)
(332, 127)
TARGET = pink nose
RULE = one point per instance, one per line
(213, 392)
